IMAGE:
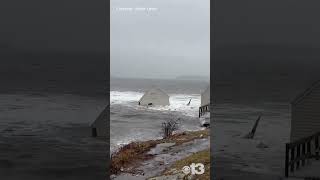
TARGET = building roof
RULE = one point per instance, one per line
(154, 89)
(101, 123)
(305, 93)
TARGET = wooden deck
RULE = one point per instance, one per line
(204, 109)
(303, 158)
(301, 151)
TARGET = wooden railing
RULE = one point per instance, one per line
(203, 109)
(298, 152)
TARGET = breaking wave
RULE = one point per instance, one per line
(132, 122)
(178, 102)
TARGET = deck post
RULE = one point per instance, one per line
(94, 132)
(287, 161)
(303, 153)
(298, 156)
(316, 143)
(308, 148)
(292, 159)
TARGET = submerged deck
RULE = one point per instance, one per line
(204, 109)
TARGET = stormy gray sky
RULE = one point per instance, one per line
(268, 22)
(54, 26)
(267, 36)
(80, 26)
(169, 41)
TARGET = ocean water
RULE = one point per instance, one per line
(233, 152)
(47, 105)
(131, 122)
(48, 136)
(238, 101)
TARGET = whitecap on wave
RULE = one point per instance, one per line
(178, 102)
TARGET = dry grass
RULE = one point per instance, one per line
(129, 154)
(136, 152)
(188, 136)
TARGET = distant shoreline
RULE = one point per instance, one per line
(207, 79)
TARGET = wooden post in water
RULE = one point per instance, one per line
(253, 131)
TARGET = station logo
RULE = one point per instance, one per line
(194, 168)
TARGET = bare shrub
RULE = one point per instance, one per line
(169, 126)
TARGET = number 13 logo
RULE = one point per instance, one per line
(195, 168)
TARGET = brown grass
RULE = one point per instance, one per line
(136, 152)
(129, 154)
(188, 136)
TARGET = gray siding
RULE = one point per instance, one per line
(101, 123)
(205, 97)
(305, 114)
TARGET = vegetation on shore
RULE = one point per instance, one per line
(135, 152)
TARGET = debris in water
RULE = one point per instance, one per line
(189, 102)
(253, 131)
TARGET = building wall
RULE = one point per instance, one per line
(205, 97)
(101, 123)
(305, 115)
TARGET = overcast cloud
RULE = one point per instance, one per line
(171, 40)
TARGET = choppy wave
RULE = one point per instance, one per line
(131, 122)
(178, 102)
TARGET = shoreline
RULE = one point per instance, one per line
(134, 159)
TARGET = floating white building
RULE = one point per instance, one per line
(154, 97)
